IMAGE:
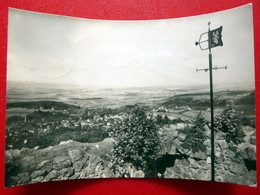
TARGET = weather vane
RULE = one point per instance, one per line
(214, 39)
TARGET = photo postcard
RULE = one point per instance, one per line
(172, 98)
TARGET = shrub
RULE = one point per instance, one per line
(137, 142)
(229, 122)
(196, 134)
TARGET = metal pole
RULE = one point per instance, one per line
(219, 30)
(212, 120)
(211, 109)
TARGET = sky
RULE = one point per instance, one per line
(46, 48)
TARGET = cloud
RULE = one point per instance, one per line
(56, 49)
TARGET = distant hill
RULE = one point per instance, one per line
(201, 100)
(44, 104)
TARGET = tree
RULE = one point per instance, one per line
(166, 120)
(137, 142)
(159, 119)
(229, 122)
(196, 135)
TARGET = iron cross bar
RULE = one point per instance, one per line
(214, 68)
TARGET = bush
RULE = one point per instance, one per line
(196, 135)
(137, 143)
(229, 122)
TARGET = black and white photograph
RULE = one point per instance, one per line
(171, 98)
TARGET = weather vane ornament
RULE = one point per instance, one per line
(215, 37)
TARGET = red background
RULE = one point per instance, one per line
(123, 10)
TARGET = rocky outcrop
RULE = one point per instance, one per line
(233, 164)
(74, 160)
(69, 160)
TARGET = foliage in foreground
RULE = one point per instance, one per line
(137, 143)
(229, 122)
(196, 135)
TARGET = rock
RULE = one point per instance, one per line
(25, 150)
(187, 175)
(219, 178)
(252, 140)
(23, 178)
(49, 148)
(59, 159)
(61, 162)
(208, 151)
(107, 173)
(202, 163)
(238, 169)
(36, 148)
(182, 136)
(251, 178)
(94, 167)
(94, 161)
(220, 160)
(14, 153)
(207, 143)
(222, 144)
(231, 178)
(220, 136)
(8, 156)
(78, 165)
(174, 134)
(176, 169)
(139, 174)
(184, 162)
(169, 173)
(248, 153)
(192, 161)
(75, 155)
(208, 160)
(195, 165)
(65, 142)
(249, 130)
(67, 172)
(229, 153)
(199, 155)
(37, 173)
(217, 154)
(176, 143)
(52, 175)
(89, 171)
(38, 179)
(86, 157)
(200, 175)
(28, 163)
(42, 164)
(77, 176)
(228, 177)
(99, 168)
(181, 125)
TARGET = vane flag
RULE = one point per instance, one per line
(215, 37)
